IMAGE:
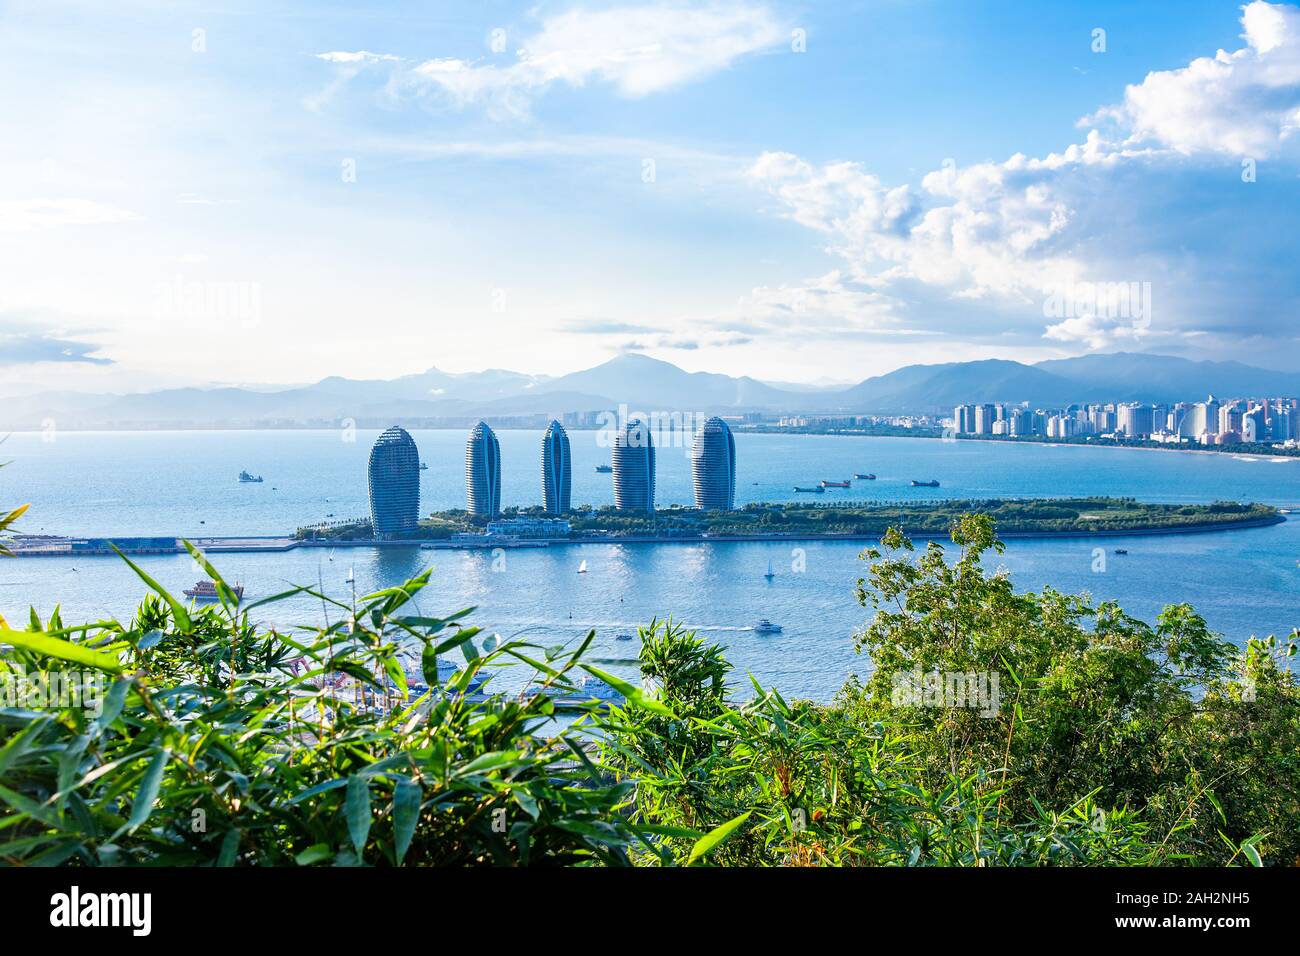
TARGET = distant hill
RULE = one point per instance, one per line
(1138, 376)
(647, 384)
(640, 380)
(923, 388)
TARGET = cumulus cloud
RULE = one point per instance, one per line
(635, 50)
(1244, 103)
(1095, 332)
(1012, 233)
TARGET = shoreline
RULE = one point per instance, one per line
(251, 544)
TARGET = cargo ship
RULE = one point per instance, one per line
(924, 484)
(245, 476)
(864, 476)
(818, 490)
(604, 469)
(834, 484)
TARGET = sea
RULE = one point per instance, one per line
(143, 483)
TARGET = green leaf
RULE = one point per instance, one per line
(634, 695)
(429, 665)
(114, 701)
(63, 649)
(229, 848)
(407, 797)
(357, 807)
(148, 793)
(716, 837)
(313, 854)
(179, 614)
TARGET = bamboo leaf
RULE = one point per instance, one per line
(63, 649)
(716, 837)
(357, 808)
(407, 797)
(179, 614)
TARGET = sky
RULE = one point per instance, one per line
(266, 192)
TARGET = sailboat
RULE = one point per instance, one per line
(582, 568)
(770, 574)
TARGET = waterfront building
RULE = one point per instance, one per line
(633, 460)
(393, 476)
(483, 472)
(557, 469)
(985, 416)
(1254, 425)
(1135, 420)
(713, 466)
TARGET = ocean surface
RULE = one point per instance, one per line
(144, 483)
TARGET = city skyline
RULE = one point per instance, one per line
(1108, 200)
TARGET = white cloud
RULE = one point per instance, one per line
(1245, 103)
(1095, 332)
(356, 58)
(23, 215)
(636, 50)
(1011, 233)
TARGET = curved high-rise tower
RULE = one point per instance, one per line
(557, 469)
(394, 479)
(483, 471)
(633, 459)
(713, 466)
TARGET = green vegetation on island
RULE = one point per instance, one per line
(1032, 516)
(995, 728)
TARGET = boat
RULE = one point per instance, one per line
(582, 568)
(245, 476)
(770, 573)
(604, 469)
(207, 591)
(860, 476)
(1121, 550)
(622, 637)
(834, 484)
(818, 490)
(424, 466)
(924, 484)
(764, 626)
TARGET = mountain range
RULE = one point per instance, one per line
(648, 384)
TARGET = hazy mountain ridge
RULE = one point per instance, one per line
(647, 384)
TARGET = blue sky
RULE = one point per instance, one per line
(268, 192)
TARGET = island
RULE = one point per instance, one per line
(1037, 517)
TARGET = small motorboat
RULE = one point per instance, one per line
(424, 466)
(764, 626)
(622, 637)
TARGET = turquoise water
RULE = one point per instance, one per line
(1245, 582)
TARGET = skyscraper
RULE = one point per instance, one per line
(483, 472)
(633, 459)
(393, 476)
(557, 469)
(713, 466)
